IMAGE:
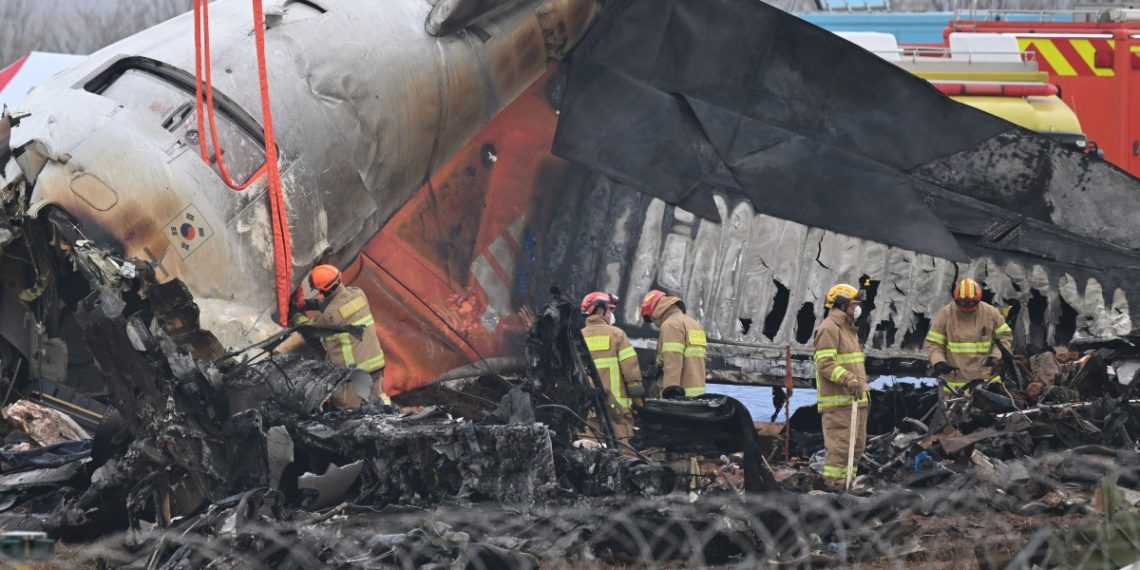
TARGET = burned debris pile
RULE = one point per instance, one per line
(1074, 400)
(234, 459)
(1063, 403)
(212, 444)
(1054, 447)
(425, 458)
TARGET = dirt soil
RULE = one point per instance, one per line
(965, 542)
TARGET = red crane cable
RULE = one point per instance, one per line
(282, 242)
(205, 103)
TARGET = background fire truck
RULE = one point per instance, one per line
(1094, 61)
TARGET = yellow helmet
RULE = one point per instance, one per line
(842, 294)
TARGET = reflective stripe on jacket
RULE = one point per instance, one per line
(682, 348)
(838, 359)
(966, 340)
(349, 306)
(614, 358)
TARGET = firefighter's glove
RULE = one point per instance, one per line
(673, 393)
(297, 301)
(857, 388)
(637, 403)
(653, 373)
(993, 362)
(941, 369)
(636, 390)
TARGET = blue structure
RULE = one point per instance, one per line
(908, 27)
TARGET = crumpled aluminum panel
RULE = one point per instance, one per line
(355, 141)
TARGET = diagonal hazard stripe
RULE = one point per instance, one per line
(1071, 55)
(1087, 52)
(1026, 46)
(1048, 54)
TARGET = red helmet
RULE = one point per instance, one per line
(598, 299)
(324, 278)
(967, 294)
(649, 303)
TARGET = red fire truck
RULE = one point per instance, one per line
(1095, 61)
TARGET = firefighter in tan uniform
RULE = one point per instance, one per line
(681, 346)
(615, 360)
(840, 378)
(963, 340)
(339, 305)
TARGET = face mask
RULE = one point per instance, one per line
(858, 311)
(611, 318)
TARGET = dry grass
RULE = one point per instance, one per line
(67, 557)
(958, 543)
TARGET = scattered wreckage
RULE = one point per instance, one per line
(229, 458)
(193, 426)
(132, 277)
(379, 179)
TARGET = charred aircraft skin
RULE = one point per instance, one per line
(364, 121)
(425, 169)
(1036, 225)
(471, 275)
(113, 142)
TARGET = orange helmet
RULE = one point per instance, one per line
(598, 299)
(967, 294)
(649, 303)
(324, 278)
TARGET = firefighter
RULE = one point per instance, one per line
(681, 346)
(840, 378)
(615, 360)
(963, 339)
(338, 305)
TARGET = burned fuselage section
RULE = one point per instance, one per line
(780, 173)
(462, 260)
(438, 156)
(126, 256)
(756, 282)
(116, 144)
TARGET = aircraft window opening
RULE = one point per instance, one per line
(158, 90)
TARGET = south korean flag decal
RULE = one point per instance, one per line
(188, 231)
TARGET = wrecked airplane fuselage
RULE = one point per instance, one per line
(750, 185)
(124, 249)
(113, 143)
(439, 193)
(430, 178)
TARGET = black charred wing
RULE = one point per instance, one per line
(679, 98)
